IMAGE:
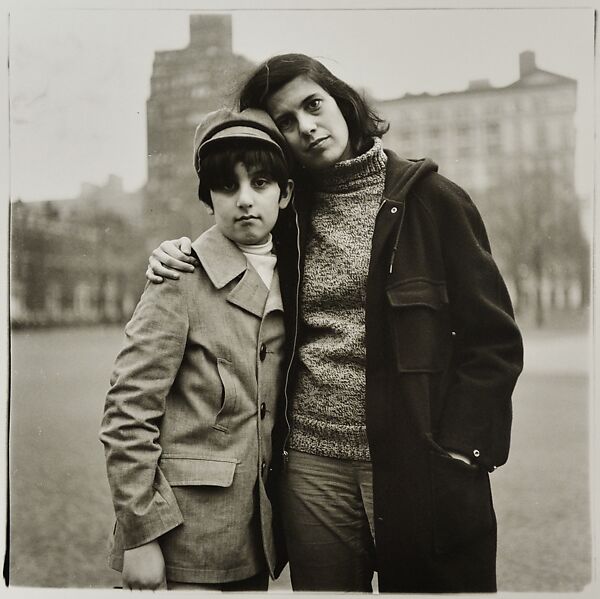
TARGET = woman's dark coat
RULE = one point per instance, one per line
(443, 356)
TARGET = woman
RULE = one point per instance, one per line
(407, 352)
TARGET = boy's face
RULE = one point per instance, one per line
(246, 209)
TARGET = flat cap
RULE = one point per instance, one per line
(224, 123)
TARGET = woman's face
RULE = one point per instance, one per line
(311, 122)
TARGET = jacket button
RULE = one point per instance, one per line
(263, 352)
(394, 210)
(476, 453)
(263, 468)
(263, 410)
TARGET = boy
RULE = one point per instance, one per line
(189, 417)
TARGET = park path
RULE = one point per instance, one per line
(564, 353)
(61, 509)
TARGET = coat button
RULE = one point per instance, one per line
(476, 453)
(263, 468)
(263, 352)
(394, 210)
(263, 410)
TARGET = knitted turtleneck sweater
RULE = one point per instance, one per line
(328, 416)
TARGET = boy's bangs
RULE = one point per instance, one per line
(219, 166)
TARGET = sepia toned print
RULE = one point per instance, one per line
(78, 262)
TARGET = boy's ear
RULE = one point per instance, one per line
(286, 195)
(209, 209)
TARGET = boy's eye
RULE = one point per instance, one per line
(228, 187)
(261, 182)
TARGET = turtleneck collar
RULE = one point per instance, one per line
(350, 175)
(264, 249)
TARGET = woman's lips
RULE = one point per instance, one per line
(317, 143)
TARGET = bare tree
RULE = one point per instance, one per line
(533, 217)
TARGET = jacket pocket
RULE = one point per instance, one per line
(229, 395)
(419, 324)
(211, 472)
(462, 502)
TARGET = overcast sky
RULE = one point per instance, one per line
(79, 79)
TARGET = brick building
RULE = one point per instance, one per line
(186, 84)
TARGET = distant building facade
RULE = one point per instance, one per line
(186, 84)
(512, 148)
(485, 133)
(77, 261)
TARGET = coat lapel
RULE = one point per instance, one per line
(223, 262)
(250, 293)
(391, 210)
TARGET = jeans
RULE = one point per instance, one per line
(327, 508)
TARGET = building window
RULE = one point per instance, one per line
(494, 148)
(492, 128)
(433, 114)
(463, 129)
(567, 136)
(540, 104)
(463, 112)
(493, 140)
(541, 136)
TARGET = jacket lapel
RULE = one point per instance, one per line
(223, 262)
(400, 176)
(250, 293)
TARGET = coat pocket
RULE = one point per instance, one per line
(229, 395)
(180, 471)
(462, 502)
(419, 324)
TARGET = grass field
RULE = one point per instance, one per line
(61, 512)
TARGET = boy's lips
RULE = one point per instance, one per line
(246, 218)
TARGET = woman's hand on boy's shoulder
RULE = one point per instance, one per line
(144, 567)
(169, 257)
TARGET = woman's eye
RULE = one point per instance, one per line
(315, 104)
(284, 124)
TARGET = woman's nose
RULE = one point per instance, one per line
(306, 124)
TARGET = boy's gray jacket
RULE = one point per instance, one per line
(188, 419)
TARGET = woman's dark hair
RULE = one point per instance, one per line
(363, 123)
(217, 166)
